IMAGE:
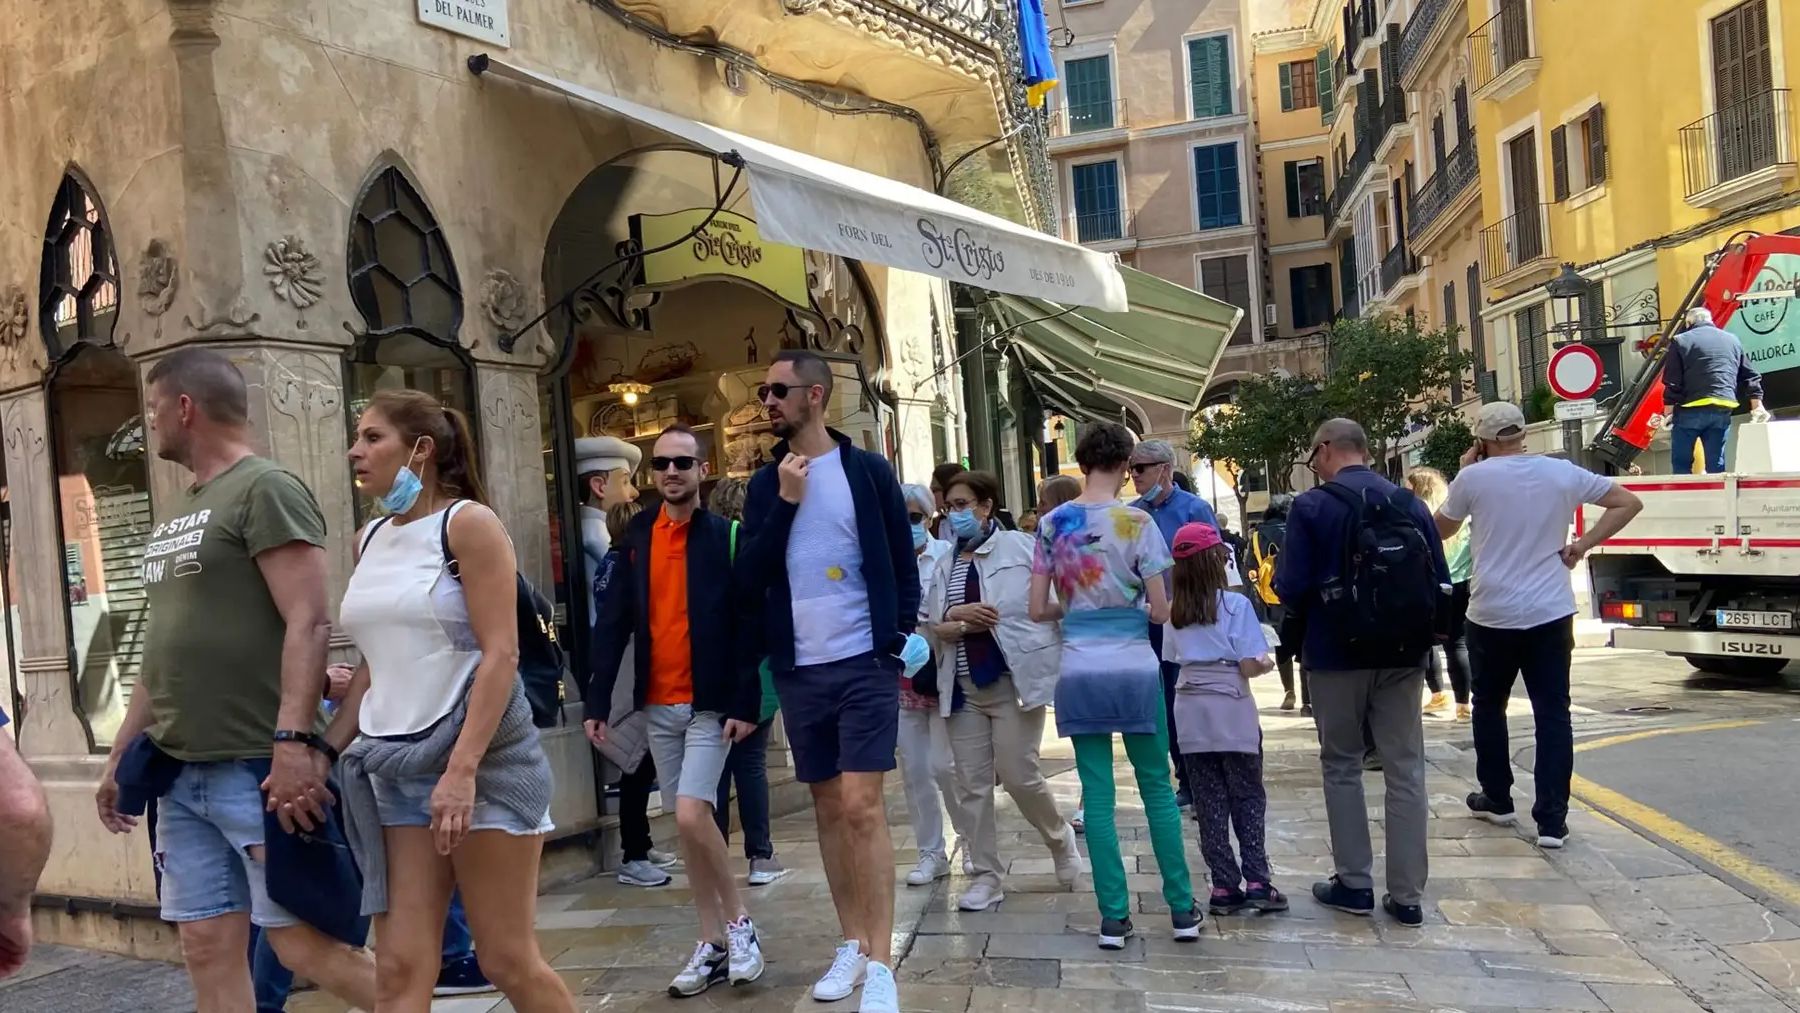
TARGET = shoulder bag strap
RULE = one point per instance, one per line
(450, 563)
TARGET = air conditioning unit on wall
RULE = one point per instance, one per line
(1271, 314)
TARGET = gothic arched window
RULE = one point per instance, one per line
(102, 479)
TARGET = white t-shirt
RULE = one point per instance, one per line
(1519, 510)
(825, 569)
(1236, 636)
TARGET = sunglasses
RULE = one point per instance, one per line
(682, 463)
(780, 390)
(1139, 469)
(915, 517)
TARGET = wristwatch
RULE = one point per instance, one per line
(311, 741)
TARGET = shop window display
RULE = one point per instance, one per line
(103, 483)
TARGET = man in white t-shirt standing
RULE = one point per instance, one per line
(1522, 605)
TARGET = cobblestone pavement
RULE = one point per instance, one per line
(1613, 923)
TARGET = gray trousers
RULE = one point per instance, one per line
(1388, 699)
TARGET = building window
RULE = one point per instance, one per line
(1533, 341)
(1216, 188)
(1210, 81)
(1449, 325)
(1087, 87)
(1578, 153)
(1311, 290)
(1097, 204)
(1305, 187)
(1228, 279)
(102, 479)
(1299, 85)
(1465, 126)
(404, 284)
(1326, 74)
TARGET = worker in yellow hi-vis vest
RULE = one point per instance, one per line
(1703, 372)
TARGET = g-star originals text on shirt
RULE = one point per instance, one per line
(175, 542)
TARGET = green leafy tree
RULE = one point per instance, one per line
(1392, 376)
(1445, 444)
(1265, 428)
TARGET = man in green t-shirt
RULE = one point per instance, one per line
(233, 670)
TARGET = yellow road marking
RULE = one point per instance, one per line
(1616, 740)
(1721, 855)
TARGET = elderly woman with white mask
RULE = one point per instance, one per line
(925, 760)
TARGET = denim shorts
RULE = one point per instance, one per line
(406, 802)
(205, 828)
(842, 717)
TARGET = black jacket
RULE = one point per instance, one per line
(725, 678)
(890, 566)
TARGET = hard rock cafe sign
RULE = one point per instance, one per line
(729, 246)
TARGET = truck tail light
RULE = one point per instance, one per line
(1623, 610)
(1667, 617)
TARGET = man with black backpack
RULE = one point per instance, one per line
(1363, 565)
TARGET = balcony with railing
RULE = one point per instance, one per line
(1337, 201)
(1397, 265)
(1104, 225)
(1517, 247)
(1451, 181)
(1389, 121)
(1087, 118)
(1500, 53)
(1743, 151)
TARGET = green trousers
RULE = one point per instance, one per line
(1149, 756)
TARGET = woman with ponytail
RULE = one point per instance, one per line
(445, 784)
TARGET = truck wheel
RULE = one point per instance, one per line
(1743, 668)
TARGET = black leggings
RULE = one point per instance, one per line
(1456, 652)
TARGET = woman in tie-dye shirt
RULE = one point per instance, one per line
(1100, 556)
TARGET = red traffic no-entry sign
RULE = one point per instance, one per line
(1575, 372)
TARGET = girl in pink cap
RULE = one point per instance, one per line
(1214, 635)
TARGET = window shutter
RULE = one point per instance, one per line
(1292, 172)
(1327, 85)
(1287, 88)
(1464, 128)
(1209, 70)
(1559, 162)
(1596, 145)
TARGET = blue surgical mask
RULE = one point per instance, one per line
(405, 491)
(920, 536)
(1154, 493)
(963, 522)
(914, 654)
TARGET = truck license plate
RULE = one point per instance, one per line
(1732, 620)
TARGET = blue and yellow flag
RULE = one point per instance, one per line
(1037, 66)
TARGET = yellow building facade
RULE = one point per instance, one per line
(1631, 140)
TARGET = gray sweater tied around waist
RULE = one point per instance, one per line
(513, 773)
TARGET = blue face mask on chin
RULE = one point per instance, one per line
(964, 523)
(405, 491)
(920, 536)
(1153, 493)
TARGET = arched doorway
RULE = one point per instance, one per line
(103, 481)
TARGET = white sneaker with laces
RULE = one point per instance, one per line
(880, 994)
(704, 969)
(663, 859)
(746, 952)
(932, 867)
(980, 897)
(848, 968)
(1067, 853)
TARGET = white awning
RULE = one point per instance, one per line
(806, 201)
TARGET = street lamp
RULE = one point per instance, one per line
(1566, 290)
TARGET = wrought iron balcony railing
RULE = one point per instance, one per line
(1088, 117)
(1396, 264)
(1516, 242)
(1460, 170)
(1359, 163)
(1419, 29)
(1501, 43)
(1103, 225)
(1734, 142)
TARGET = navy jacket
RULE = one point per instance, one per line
(1312, 553)
(725, 678)
(889, 566)
(1706, 363)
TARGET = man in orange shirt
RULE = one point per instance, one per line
(698, 687)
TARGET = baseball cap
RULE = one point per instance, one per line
(1194, 537)
(1500, 420)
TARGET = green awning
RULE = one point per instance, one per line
(1165, 348)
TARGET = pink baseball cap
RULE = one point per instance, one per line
(1195, 537)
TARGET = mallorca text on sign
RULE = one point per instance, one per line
(1770, 328)
(729, 246)
(478, 19)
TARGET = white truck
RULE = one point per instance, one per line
(1710, 570)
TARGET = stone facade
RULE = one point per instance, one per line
(226, 145)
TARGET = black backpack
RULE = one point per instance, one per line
(540, 655)
(1384, 605)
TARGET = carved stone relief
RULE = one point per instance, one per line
(502, 302)
(16, 348)
(294, 273)
(514, 465)
(158, 278)
(302, 414)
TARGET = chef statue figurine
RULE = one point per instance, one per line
(605, 465)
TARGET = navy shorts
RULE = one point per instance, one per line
(841, 717)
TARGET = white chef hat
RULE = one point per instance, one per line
(605, 453)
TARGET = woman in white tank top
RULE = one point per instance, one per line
(438, 652)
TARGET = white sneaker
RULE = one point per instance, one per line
(764, 871)
(663, 859)
(980, 897)
(704, 969)
(880, 994)
(642, 873)
(848, 968)
(932, 867)
(1068, 859)
(746, 952)
(1079, 821)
